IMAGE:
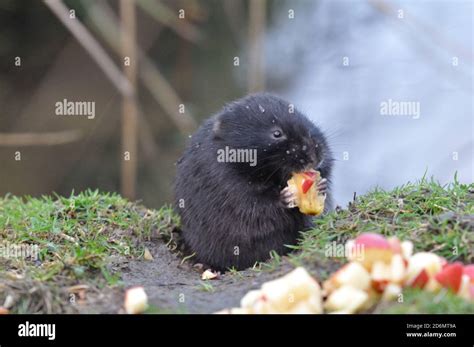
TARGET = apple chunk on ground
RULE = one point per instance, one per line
(352, 274)
(369, 248)
(347, 299)
(450, 276)
(422, 267)
(296, 292)
(466, 288)
(136, 300)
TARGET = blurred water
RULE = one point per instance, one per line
(402, 59)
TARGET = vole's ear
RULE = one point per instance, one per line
(224, 121)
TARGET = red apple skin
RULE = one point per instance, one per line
(375, 248)
(379, 286)
(469, 271)
(420, 280)
(307, 183)
(371, 240)
(395, 245)
(450, 276)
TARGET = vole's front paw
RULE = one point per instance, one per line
(288, 198)
(323, 186)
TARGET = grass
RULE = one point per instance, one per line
(81, 238)
(78, 239)
(432, 216)
(206, 287)
(418, 301)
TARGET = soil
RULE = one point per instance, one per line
(174, 286)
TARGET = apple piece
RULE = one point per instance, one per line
(444, 262)
(353, 274)
(209, 275)
(346, 299)
(463, 291)
(469, 271)
(374, 247)
(296, 286)
(256, 302)
(407, 249)
(372, 240)
(466, 289)
(381, 275)
(136, 300)
(391, 292)
(312, 174)
(308, 199)
(432, 285)
(250, 298)
(395, 244)
(307, 183)
(397, 269)
(430, 262)
(450, 276)
(147, 255)
(295, 292)
(420, 280)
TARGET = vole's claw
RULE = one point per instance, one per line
(288, 198)
(323, 186)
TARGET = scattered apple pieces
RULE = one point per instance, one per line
(296, 292)
(136, 300)
(346, 299)
(378, 269)
(422, 267)
(353, 274)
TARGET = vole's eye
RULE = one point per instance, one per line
(277, 134)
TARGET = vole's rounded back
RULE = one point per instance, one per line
(228, 181)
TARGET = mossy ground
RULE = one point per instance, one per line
(86, 241)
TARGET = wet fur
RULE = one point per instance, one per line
(233, 215)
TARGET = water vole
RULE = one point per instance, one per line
(230, 183)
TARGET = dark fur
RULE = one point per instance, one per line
(229, 205)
